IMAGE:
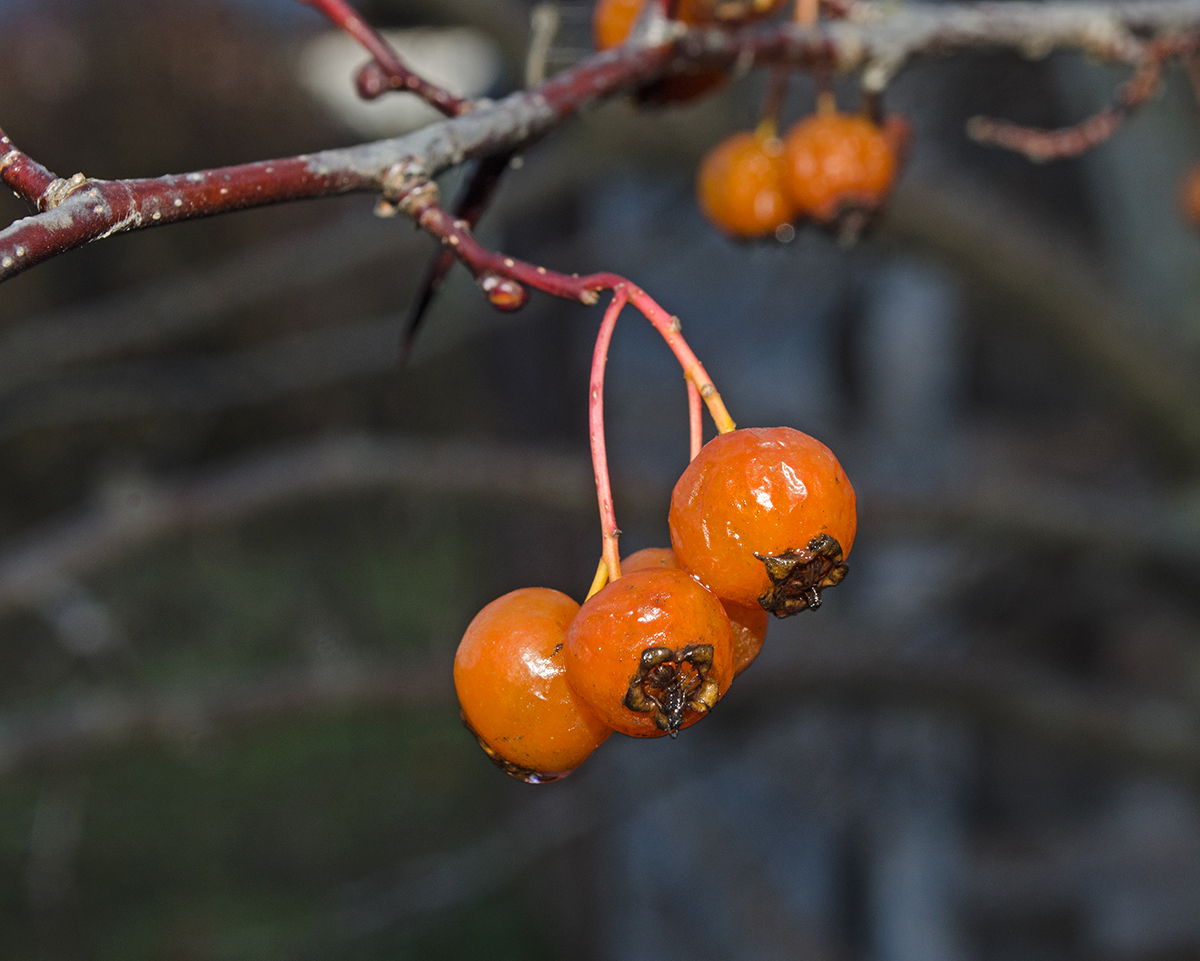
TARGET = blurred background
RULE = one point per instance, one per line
(238, 547)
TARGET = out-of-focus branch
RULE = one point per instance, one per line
(876, 41)
(387, 71)
(1088, 719)
(153, 388)
(118, 717)
(1063, 299)
(131, 516)
(135, 514)
(193, 300)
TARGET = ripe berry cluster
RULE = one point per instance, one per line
(828, 167)
(832, 168)
(760, 522)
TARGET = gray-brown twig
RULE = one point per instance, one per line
(876, 41)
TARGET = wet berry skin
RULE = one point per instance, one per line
(740, 186)
(509, 673)
(749, 624)
(837, 161)
(626, 622)
(750, 494)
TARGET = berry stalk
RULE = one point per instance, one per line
(669, 327)
(695, 423)
(608, 517)
(418, 198)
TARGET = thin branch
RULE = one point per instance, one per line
(1042, 145)
(1084, 718)
(593, 801)
(130, 517)
(155, 388)
(114, 717)
(854, 667)
(420, 201)
(481, 185)
(387, 71)
(137, 513)
(99, 208)
(195, 299)
(27, 178)
(877, 42)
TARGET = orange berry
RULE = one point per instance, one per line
(836, 161)
(749, 624)
(515, 699)
(612, 20)
(764, 516)
(741, 186)
(728, 12)
(650, 653)
(1189, 197)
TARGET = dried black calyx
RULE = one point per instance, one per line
(798, 577)
(670, 683)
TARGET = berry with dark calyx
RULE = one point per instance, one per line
(766, 516)
(839, 165)
(749, 624)
(740, 186)
(515, 699)
(650, 653)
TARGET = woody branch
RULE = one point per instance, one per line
(875, 41)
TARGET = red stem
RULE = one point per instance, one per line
(695, 420)
(1042, 145)
(396, 75)
(669, 327)
(420, 203)
(608, 516)
(101, 208)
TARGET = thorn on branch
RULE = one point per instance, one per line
(468, 208)
(418, 199)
